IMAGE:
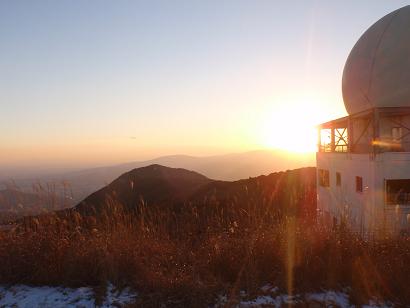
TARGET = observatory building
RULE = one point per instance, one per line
(363, 159)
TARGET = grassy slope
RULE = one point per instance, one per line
(222, 238)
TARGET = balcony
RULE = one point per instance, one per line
(377, 130)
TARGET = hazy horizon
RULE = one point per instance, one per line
(87, 84)
(39, 171)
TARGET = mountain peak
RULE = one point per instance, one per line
(159, 171)
(155, 184)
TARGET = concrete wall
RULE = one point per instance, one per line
(390, 166)
(363, 211)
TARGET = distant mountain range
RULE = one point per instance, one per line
(70, 188)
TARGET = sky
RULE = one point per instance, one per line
(87, 83)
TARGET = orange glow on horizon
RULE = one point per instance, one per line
(292, 127)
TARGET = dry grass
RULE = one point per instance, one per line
(185, 256)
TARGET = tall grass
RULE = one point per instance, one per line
(187, 254)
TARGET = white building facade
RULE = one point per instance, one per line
(363, 160)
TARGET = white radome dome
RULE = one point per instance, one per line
(377, 71)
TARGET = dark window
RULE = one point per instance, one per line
(398, 191)
(323, 177)
(359, 184)
(338, 179)
(397, 134)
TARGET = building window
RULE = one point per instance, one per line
(323, 177)
(397, 134)
(359, 184)
(398, 192)
(341, 141)
(338, 179)
(325, 144)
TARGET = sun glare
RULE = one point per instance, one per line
(300, 137)
(291, 128)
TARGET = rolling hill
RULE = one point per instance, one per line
(175, 191)
(153, 184)
(228, 167)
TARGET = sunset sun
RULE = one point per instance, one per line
(298, 137)
(292, 127)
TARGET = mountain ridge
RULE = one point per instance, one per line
(151, 184)
(174, 189)
(73, 187)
